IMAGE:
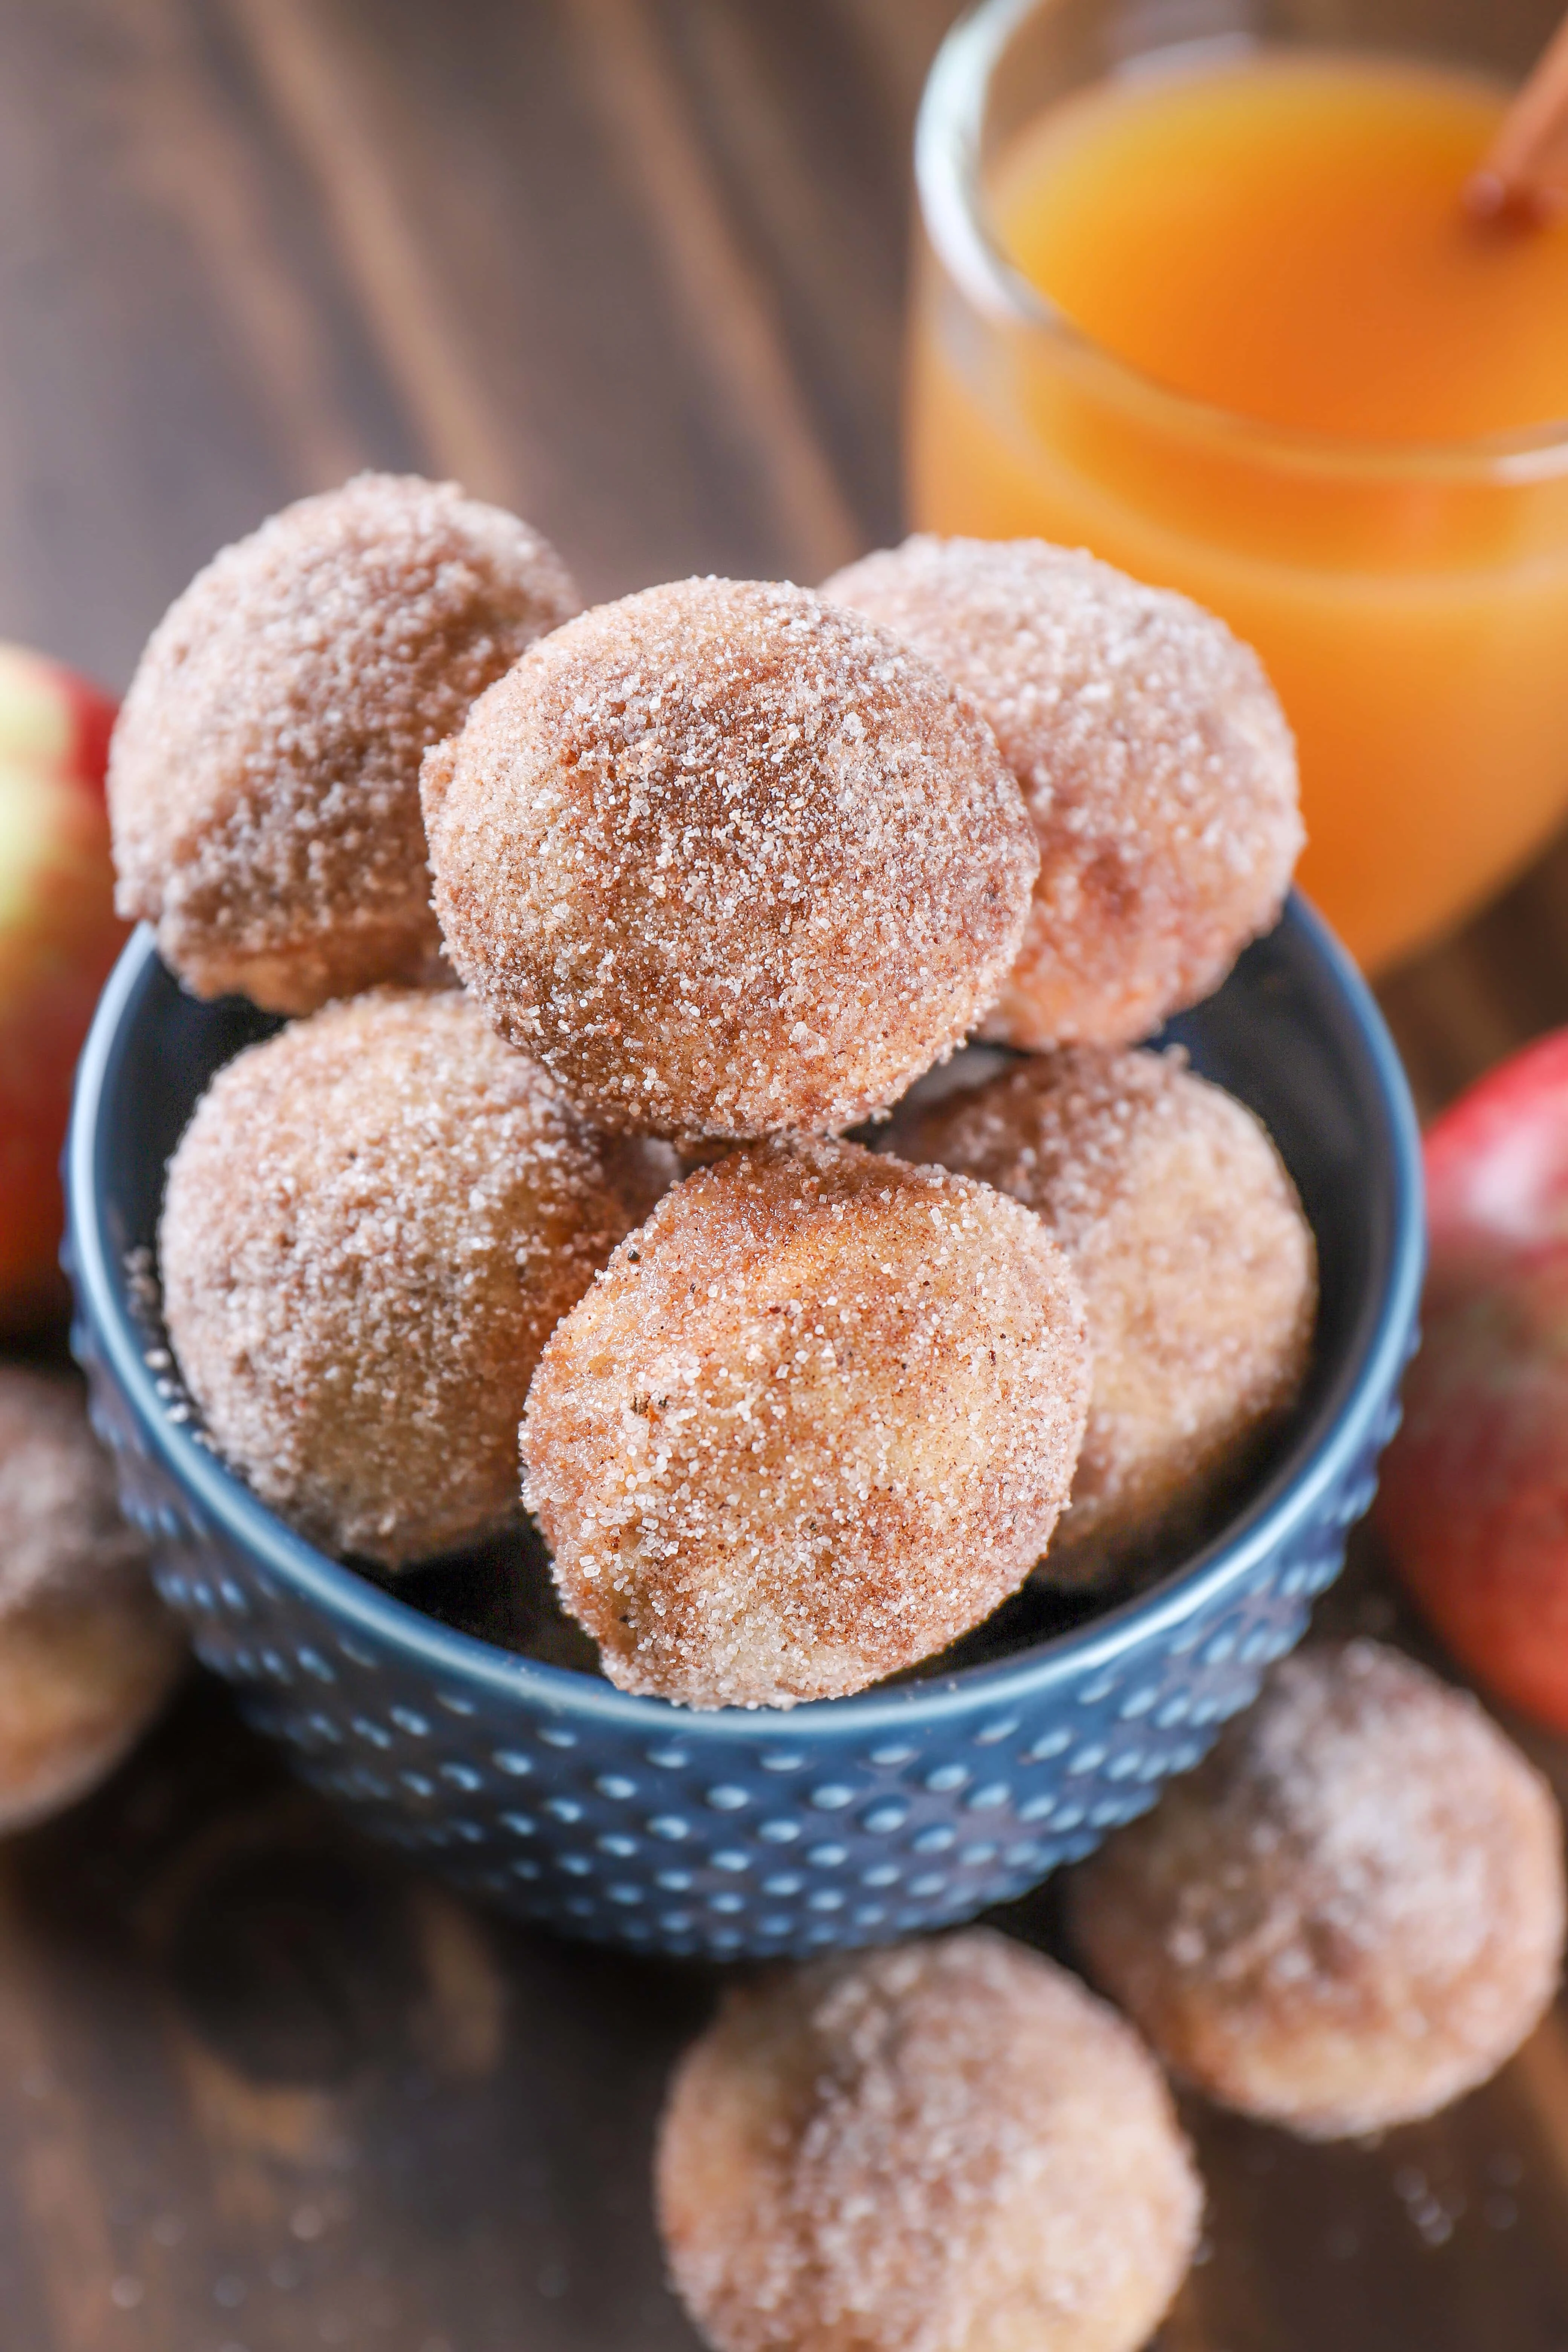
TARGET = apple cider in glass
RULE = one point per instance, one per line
(1213, 307)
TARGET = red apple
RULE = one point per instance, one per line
(1474, 1495)
(59, 936)
(1496, 1163)
(52, 719)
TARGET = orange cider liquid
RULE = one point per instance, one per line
(1282, 239)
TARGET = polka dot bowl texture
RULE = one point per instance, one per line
(741, 1833)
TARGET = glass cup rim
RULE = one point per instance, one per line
(950, 192)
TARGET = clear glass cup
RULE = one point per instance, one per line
(1410, 601)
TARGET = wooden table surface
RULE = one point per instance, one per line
(633, 267)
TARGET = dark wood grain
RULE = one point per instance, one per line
(635, 266)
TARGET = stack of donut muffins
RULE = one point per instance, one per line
(722, 870)
(599, 932)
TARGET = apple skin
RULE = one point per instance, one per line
(59, 939)
(1497, 1164)
(1473, 1500)
(50, 717)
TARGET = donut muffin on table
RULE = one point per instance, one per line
(1198, 1268)
(1350, 1914)
(947, 2148)
(1158, 771)
(264, 773)
(88, 1653)
(728, 862)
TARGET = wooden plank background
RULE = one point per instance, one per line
(634, 267)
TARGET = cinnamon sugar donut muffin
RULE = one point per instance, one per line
(264, 773)
(372, 1224)
(728, 862)
(88, 1653)
(1350, 1914)
(1156, 763)
(815, 1420)
(946, 2148)
(1198, 1269)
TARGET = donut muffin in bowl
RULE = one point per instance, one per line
(627, 1819)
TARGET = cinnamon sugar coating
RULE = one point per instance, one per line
(371, 1226)
(950, 2147)
(264, 774)
(816, 1418)
(1156, 763)
(1198, 1269)
(728, 862)
(1350, 1914)
(88, 1653)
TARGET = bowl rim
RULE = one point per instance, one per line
(1324, 1451)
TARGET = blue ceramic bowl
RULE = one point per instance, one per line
(851, 1821)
